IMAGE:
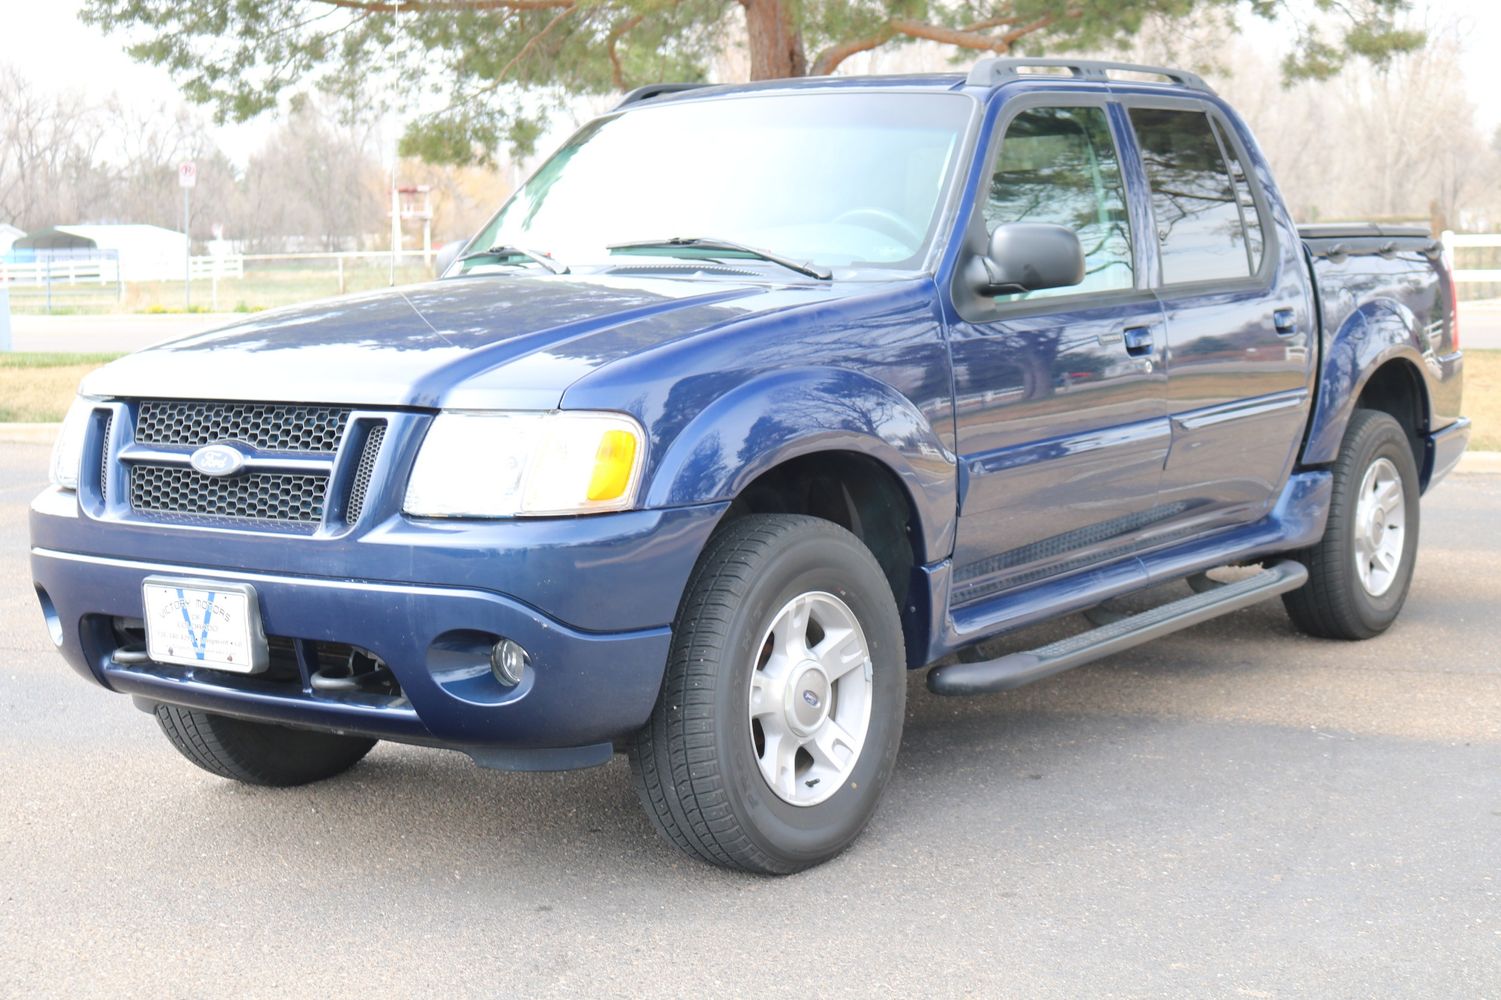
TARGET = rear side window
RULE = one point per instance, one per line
(1201, 211)
(1249, 216)
(1059, 165)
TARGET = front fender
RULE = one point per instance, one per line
(781, 415)
(1372, 335)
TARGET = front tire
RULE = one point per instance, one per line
(257, 753)
(781, 711)
(1360, 571)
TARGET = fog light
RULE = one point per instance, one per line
(508, 661)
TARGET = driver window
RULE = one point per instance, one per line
(1059, 165)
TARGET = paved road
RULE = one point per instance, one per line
(1235, 811)
(1480, 324)
(109, 333)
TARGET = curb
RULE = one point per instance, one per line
(1482, 463)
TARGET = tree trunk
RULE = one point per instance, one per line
(776, 44)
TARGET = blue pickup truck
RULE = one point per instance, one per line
(749, 401)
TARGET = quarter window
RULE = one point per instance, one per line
(1249, 216)
(1202, 212)
(1059, 165)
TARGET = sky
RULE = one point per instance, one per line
(48, 44)
(1481, 68)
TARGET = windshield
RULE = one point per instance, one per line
(833, 179)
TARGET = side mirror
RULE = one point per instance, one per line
(1026, 257)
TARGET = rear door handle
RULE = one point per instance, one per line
(1286, 322)
(1138, 340)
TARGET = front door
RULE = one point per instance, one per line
(1059, 394)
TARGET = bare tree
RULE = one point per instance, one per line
(50, 168)
(147, 144)
(1398, 141)
(463, 198)
(313, 180)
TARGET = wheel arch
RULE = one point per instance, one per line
(1396, 388)
(833, 444)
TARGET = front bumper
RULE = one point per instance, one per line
(591, 600)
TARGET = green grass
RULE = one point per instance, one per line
(52, 359)
(1482, 402)
(157, 309)
(36, 388)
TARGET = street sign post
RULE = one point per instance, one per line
(187, 179)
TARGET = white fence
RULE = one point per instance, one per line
(93, 280)
(219, 266)
(233, 265)
(105, 267)
(61, 270)
(1454, 242)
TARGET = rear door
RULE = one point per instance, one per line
(1061, 426)
(1239, 319)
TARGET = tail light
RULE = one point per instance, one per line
(1453, 314)
(1453, 292)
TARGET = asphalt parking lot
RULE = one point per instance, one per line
(1233, 811)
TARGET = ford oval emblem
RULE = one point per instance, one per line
(218, 460)
(810, 698)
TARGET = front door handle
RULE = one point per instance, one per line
(1138, 340)
(1286, 322)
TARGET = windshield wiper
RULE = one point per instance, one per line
(711, 243)
(512, 250)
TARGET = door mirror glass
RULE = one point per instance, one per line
(1027, 257)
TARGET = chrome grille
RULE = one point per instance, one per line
(288, 427)
(362, 474)
(295, 498)
(109, 425)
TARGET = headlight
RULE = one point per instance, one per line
(505, 464)
(67, 452)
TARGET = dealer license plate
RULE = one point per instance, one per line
(198, 623)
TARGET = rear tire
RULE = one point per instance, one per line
(257, 753)
(781, 711)
(1360, 571)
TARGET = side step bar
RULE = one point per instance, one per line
(1016, 669)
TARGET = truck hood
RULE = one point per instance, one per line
(513, 340)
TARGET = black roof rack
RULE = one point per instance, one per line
(990, 72)
(651, 90)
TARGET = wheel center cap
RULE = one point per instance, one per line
(807, 698)
(1378, 527)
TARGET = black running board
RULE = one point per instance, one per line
(1016, 669)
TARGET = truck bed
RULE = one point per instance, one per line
(1380, 286)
